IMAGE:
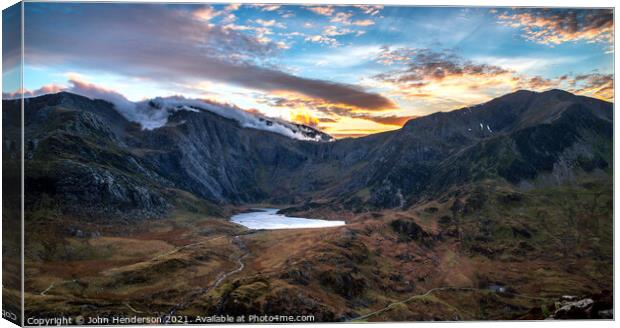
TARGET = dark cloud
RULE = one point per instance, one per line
(293, 102)
(538, 83)
(167, 42)
(555, 26)
(424, 66)
(334, 110)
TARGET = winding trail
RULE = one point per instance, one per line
(132, 309)
(178, 249)
(191, 297)
(52, 285)
(430, 291)
(238, 269)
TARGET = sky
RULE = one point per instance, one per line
(347, 70)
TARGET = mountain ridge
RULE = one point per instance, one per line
(513, 138)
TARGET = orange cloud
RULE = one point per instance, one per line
(303, 117)
(394, 120)
(595, 85)
(50, 88)
(253, 111)
(363, 22)
(333, 118)
(446, 80)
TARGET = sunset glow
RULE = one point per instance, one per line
(347, 70)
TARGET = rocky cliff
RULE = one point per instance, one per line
(85, 158)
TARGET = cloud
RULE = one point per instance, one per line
(176, 44)
(268, 7)
(323, 40)
(327, 120)
(270, 23)
(342, 17)
(424, 66)
(363, 22)
(149, 119)
(372, 10)
(302, 109)
(322, 10)
(594, 85)
(155, 113)
(207, 13)
(353, 133)
(345, 18)
(329, 33)
(298, 102)
(443, 80)
(537, 83)
(50, 88)
(556, 26)
(232, 7)
(332, 30)
(160, 110)
(394, 120)
(80, 86)
(303, 117)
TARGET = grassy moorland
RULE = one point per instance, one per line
(489, 252)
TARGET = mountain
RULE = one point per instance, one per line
(517, 138)
(502, 210)
(87, 158)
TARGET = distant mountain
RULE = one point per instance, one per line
(516, 138)
(90, 160)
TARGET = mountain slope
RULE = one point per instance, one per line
(516, 137)
(74, 144)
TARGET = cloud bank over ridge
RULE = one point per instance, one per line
(154, 113)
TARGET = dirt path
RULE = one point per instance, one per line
(54, 284)
(239, 261)
(190, 298)
(430, 291)
(178, 249)
(391, 305)
(132, 309)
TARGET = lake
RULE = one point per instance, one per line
(268, 218)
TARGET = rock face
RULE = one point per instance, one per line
(581, 309)
(599, 306)
(88, 159)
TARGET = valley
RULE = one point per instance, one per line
(394, 265)
(444, 220)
